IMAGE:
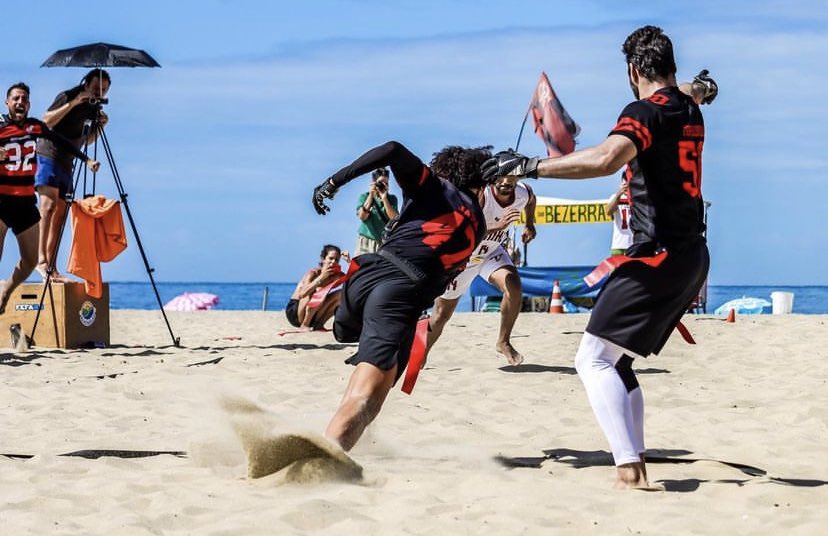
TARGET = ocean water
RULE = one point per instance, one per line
(251, 296)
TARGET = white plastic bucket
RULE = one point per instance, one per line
(782, 302)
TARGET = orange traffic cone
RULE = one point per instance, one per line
(731, 316)
(555, 302)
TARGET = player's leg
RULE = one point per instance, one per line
(498, 270)
(440, 315)
(27, 243)
(4, 295)
(445, 305)
(361, 403)
(607, 375)
(506, 279)
(389, 318)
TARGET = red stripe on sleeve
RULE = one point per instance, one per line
(638, 129)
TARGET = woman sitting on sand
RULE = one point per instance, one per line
(314, 301)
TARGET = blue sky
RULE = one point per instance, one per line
(257, 102)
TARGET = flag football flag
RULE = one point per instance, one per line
(552, 123)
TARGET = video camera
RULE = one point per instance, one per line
(95, 101)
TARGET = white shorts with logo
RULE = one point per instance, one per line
(482, 266)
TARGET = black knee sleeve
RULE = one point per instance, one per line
(625, 371)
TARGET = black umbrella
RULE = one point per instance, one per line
(100, 55)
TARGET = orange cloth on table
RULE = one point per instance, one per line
(97, 236)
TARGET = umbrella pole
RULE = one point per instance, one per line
(123, 195)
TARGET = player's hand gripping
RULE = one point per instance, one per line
(326, 190)
(509, 162)
(708, 86)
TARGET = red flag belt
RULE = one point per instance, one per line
(417, 356)
(609, 265)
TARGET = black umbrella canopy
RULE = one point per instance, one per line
(100, 55)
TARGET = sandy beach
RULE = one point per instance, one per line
(752, 393)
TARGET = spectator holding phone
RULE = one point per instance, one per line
(376, 208)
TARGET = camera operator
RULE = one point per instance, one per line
(66, 116)
(376, 208)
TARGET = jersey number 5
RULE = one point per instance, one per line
(690, 152)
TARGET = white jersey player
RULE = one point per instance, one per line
(502, 204)
(618, 207)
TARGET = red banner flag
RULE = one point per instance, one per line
(552, 123)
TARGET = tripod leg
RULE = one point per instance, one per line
(123, 196)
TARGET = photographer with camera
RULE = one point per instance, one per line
(67, 115)
(376, 208)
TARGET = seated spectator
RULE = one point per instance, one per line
(314, 300)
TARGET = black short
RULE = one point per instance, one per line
(639, 305)
(380, 307)
(19, 212)
(292, 312)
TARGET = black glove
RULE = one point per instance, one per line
(326, 190)
(509, 162)
(708, 86)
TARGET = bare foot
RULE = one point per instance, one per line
(57, 277)
(634, 476)
(512, 355)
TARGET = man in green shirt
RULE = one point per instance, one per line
(376, 208)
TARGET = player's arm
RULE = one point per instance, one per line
(601, 160)
(409, 171)
(703, 89)
(612, 204)
(529, 232)
(630, 136)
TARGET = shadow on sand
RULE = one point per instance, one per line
(586, 458)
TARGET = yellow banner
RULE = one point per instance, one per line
(591, 212)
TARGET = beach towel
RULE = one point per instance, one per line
(97, 236)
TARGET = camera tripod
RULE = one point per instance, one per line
(69, 198)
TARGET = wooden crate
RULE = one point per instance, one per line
(69, 318)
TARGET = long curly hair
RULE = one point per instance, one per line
(461, 165)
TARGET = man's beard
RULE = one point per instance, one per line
(633, 87)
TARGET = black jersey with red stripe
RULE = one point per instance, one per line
(665, 176)
(439, 225)
(17, 171)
